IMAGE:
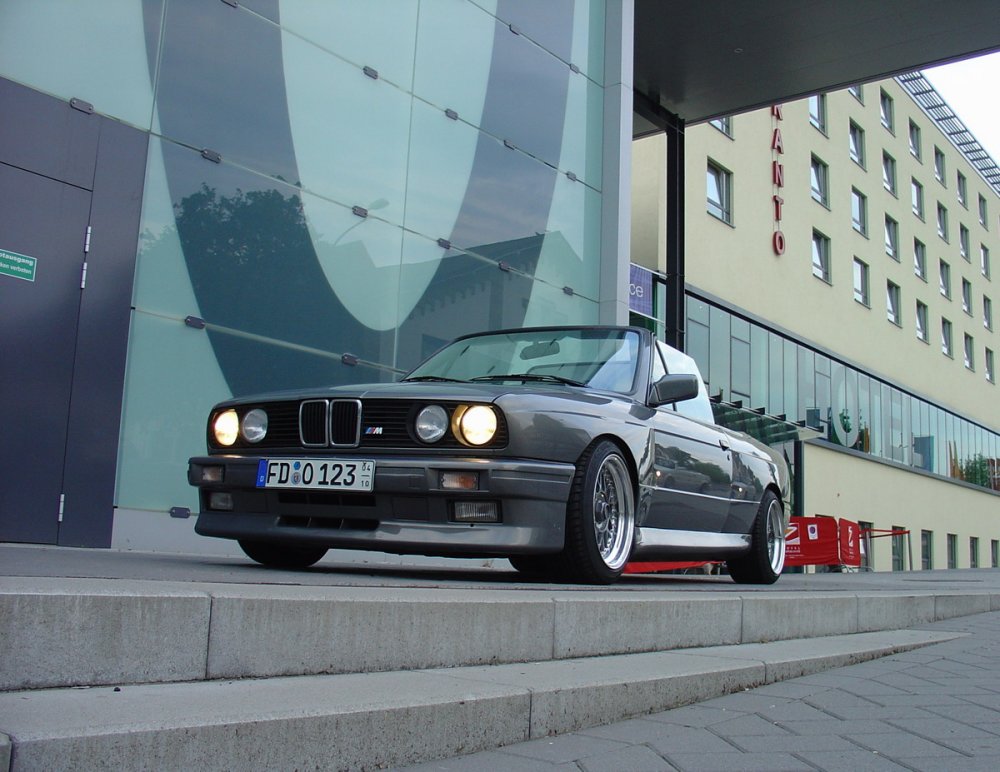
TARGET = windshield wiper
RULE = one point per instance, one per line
(528, 377)
(432, 378)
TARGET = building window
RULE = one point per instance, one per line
(898, 548)
(820, 174)
(939, 167)
(969, 350)
(889, 173)
(983, 216)
(987, 313)
(984, 260)
(886, 112)
(946, 337)
(725, 125)
(963, 242)
(915, 141)
(967, 296)
(942, 221)
(720, 192)
(892, 238)
(952, 550)
(892, 309)
(861, 282)
(962, 190)
(995, 553)
(944, 278)
(867, 558)
(973, 552)
(821, 256)
(926, 550)
(991, 373)
(857, 91)
(922, 322)
(920, 259)
(859, 211)
(817, 111)
(857, 144)
(917, 198)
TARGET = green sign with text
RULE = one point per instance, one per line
(18, 266)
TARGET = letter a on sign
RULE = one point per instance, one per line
(776, 143)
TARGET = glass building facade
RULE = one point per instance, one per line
(746, 362)
(333, 189)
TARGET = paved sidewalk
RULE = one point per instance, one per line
(936, 708)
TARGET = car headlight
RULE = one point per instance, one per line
(254, 425)
(226, 427)
(476, 424)
(432, 423)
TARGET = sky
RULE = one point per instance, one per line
(970, 88)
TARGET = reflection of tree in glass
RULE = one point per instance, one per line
(253, 269)
(976, 470)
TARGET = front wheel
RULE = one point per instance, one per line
(282, 555)
(600, 519)
(763, 564)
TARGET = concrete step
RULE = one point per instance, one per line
(375, 720)
(59, 632)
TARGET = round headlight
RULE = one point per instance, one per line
(432, 423)
(254, 425)
(478, 424)
(226, 427)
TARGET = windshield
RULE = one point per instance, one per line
(599, 358)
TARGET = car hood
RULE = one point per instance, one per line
(430, 390)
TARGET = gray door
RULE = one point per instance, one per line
(46, 220)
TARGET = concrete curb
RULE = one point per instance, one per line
(363, 721)
(62, 632)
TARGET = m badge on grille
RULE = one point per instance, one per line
(373, 430)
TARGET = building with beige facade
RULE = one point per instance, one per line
(837, 253)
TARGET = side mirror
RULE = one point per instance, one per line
(673, 388)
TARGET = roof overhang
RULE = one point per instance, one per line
(702, 60)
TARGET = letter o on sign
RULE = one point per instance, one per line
(778, 243)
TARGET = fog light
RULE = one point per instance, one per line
(477, 512)
(220, 500)
(212, 474)
(460, 481)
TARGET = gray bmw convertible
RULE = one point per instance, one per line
(570, 451)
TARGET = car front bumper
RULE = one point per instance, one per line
(408, 511)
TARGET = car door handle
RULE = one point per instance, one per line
(724, 444)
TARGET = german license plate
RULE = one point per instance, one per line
(318, 474)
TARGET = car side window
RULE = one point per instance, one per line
(699, 407)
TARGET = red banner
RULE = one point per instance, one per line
(812, 541)
(850, 543)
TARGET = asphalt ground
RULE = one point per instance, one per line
(36, 560)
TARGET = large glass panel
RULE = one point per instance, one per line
(172, 381)
(99, 52)
(791, 385)
(719, 353)
(350, 135)
(758, 367)
(272, 263)
(212, 92)
(571, 251)
(807, 388)
(879, 438)
(864, 414)
(740, 376)
(456, 80)
(375, 33)
(775, 377)
(527, 95)
(697, 338)
(823, 403)
(470, 294)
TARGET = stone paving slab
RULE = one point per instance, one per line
(830, 721)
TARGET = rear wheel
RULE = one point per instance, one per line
(763, 564)
(282, 555)
(600, 519)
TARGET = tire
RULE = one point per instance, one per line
(763, 564)
(600, 517)
(281, 555)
